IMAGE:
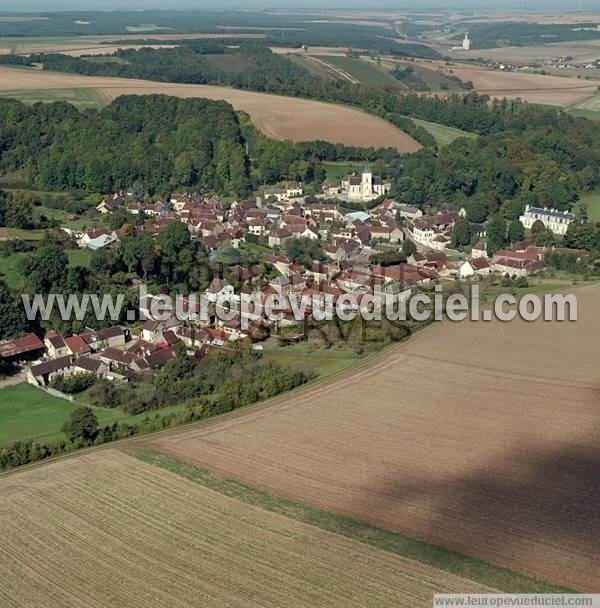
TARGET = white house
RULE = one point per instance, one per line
(474, 267)
(554, 220)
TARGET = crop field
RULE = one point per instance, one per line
(80, 97)
(534, 88)
(107, 530)
(276, 116)
(582, 52)
(479, 437)
(363, 71)
(443, 135)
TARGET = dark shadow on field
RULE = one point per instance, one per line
(536, 511)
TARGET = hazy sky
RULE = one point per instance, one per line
(47, 5)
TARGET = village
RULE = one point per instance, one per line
(392, 247)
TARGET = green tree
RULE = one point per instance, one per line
(81, 425)
(408, 247)
(545, 239)
(516, 232)
(537, 227)
(12, 316)
(496, 233)
(460, 234)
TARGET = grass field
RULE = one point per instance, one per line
(10, 264)
(18, 233)
(335, 171)
(107, 529)
(363, 71)
(80, 97)
(228, 63)
(325, 362)
(592, 201)
(503, 471)
(443, 135)
(27, 412)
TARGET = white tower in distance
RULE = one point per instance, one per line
(466, 42)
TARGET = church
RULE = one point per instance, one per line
(364, 188)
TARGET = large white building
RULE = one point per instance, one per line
(554, 220)
(466, 44)
(364, 188)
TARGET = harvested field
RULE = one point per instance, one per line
(534, 88)
(276, 116)
(481, 437)
(106, 530)
(582, 52)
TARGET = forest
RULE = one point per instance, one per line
(292, 30)
(161, 140)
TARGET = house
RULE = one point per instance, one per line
(86, 364)
(432, 230)
(159, 357)
(474, 267)
(112, 336)
(56, 345)
(43, 373)
(479, 250)
(219, 288)
(279, 237)
(553, 220)
(77, 346)
(294, 189)
(409, 212)
(364, 188)
(110, 205)
(96, 239)
(329, 189)
(515, 263)
(29, 345)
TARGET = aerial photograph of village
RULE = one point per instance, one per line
(299, 303)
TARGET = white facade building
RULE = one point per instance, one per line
(364, 188)
(554, 220)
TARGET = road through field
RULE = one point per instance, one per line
(108, 531)
(276, 116)
(482, 437)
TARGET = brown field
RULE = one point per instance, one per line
(534, 88)
(107, 530)
(77, 50)
(276, 116)
(531, 87)
(582, 52)
(481, 437)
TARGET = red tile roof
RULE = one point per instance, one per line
(18, 346)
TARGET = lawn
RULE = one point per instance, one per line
(9, 265)
(592, 201)
(18, 233)
(335, 171)
(325, 362)
(27, 413)
(443, 135)
(79, 97)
